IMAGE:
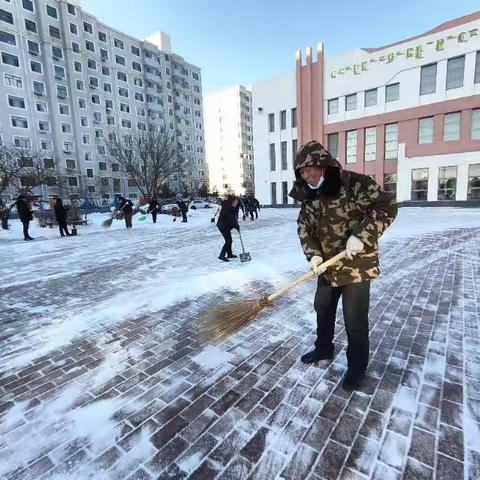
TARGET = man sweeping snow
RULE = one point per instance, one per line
(341, 210)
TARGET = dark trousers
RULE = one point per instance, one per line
(62, 226)
(154, 216)
(355, 303)
(227, 247)
(25, 229)
(128, 219)
(256, 213)
(184, 216)
(5, 222)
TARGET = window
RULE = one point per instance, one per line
(118, 43)
(333, 106)
(428, 79)
(139, 96)
(123, 92)
(77, 66)
(120, 60)
(451, 127)
(66, 128)
(59, 72)
(62, 91)
(54, 32)
(96, 99)
(332, 144)
(390, 183)
(52, 11)
(352, 146)
(87, 27)
(80, 85)
(8, 38)
(93, 82)
(284, 193)
(102, 36)
(351, 102)
(137, 81)
(82, 103)
(89, 46)
(371, 97)
(27, 5)
(102, 166)
(136, 66)
(71, 9)
(477, 68)
(38, 88)
(106, 71)
(122, 76)
(475, 132)
(103, 54)
(63, 109)
(22, 142)
(447, 183)
(271, 122)
(107, 88)
(392, 92)
(419, 184)
(57, 53)
(16, 102)
(9, 59)
(19, 122)
(135, 50)
(126, 123)
(86, 139)
(92, 64)
(294, 151)
(49, 163)
(293, 117)
(97, 117)
(272, 157)
(25, 162)
(455, 69)
(7, 17)
(75, 47)
(72, 182)
(67, 146)
(70, 164)
(273, 192)
(425, 130)
(43, 126)
(13, 81)
(33, 47)
(370, 144)
(473, 182)
(283, 149)
(89, 172)
(41, 107)
(115, 167)
(283, 120)
(391, 140)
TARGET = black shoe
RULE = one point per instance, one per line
(232, 256)
(352, 381)
(315, 356)
(223, 259)
(28, 239)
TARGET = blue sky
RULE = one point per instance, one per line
(249, 40)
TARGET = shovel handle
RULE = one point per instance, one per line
(241, 241)
(306, 276)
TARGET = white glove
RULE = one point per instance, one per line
(315, 263)
(354, 246)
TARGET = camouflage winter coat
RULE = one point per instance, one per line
(347, 203)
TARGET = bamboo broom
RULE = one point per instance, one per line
(227, 319)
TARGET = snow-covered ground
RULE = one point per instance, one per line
(55, 292)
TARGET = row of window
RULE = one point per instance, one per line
(283, 155)
(447, 183)
(283, 120)
(428, 84)
(451, 132)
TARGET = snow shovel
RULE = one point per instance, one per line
(245, 256)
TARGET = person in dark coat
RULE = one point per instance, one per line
(255, 205)
(4, 214)
(61, 216)
(240, 206)
(153, 208)
(183, 209)
(25, 214)
(126, 207)
(227, 220)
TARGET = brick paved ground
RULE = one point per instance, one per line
(134, 400)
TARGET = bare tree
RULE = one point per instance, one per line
(9, 168)
(147, 158)
(30, 171)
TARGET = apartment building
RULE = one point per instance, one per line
(407, 114)
(68, 82)
(229, 140)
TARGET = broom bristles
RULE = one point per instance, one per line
(107, 222)
(222, 321)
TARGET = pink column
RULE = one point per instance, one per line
(342, 147)
(360, 165)
(466, 125)
(438, 128)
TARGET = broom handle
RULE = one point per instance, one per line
(241, 241)
(306, 276)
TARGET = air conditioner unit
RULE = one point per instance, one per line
(91, 85)
(67, 150)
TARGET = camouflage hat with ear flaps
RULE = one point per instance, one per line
(313, 153)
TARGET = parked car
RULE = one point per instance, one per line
(194, 204)
(167, 208)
